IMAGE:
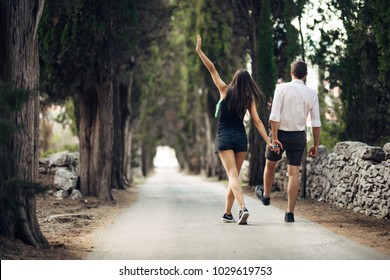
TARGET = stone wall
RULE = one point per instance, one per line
(64, 167)
(354, 176)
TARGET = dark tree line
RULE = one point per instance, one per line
(356, 59)
(90, 51)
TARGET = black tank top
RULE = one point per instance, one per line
(229, 119)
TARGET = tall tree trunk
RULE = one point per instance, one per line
(266, 78)
(256, 159)
(19, 65)
(117, 180)
(96, 141)
(211, 160)
(256, 150)
(127, 133)
(145, 159)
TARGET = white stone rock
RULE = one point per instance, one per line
(61, 194)
(65, 179)
(60, 159)
(76, 194)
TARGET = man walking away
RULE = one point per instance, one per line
(292, 103)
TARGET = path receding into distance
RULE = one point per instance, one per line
(178, 217)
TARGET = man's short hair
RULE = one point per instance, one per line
(299, 69)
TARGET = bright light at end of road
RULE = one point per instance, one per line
(165, 157)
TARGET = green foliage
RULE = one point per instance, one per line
(87, 44)
(67, 117)
(331, 126)
(356, 58)
(363, 76)
(177, 93)
(285, 35)
(265, 53)
(81, 40)
(380, 14)
(172, 93)
(67, 147)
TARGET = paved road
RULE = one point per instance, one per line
(177, 217)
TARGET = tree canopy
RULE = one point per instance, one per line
(355, 58)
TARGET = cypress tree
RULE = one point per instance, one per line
(266, 78)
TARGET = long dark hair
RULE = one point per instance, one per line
(242, 90)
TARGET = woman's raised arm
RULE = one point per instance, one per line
(220, 84)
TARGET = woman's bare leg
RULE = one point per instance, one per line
(239, 159)
(228, 159)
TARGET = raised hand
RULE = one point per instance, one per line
(198, 43)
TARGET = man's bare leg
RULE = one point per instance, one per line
(292, 187)
(269, 177)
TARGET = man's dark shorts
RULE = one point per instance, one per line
(231, 139)
(294, 143)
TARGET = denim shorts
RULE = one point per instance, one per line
(294, 143)
(231, 139)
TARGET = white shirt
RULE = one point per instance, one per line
(292, 104)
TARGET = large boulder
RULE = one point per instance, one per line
(60, 159)
(65, 180)
(371, 153)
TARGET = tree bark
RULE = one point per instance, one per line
(256, 149)
(118, 141)
(19, 65)
(127, 133)
(96, 141)
(256, 159)
(211, 158)
(146, 160)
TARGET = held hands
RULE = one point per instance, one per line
(198, 43)
(276, 146)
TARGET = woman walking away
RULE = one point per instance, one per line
(231, 141)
